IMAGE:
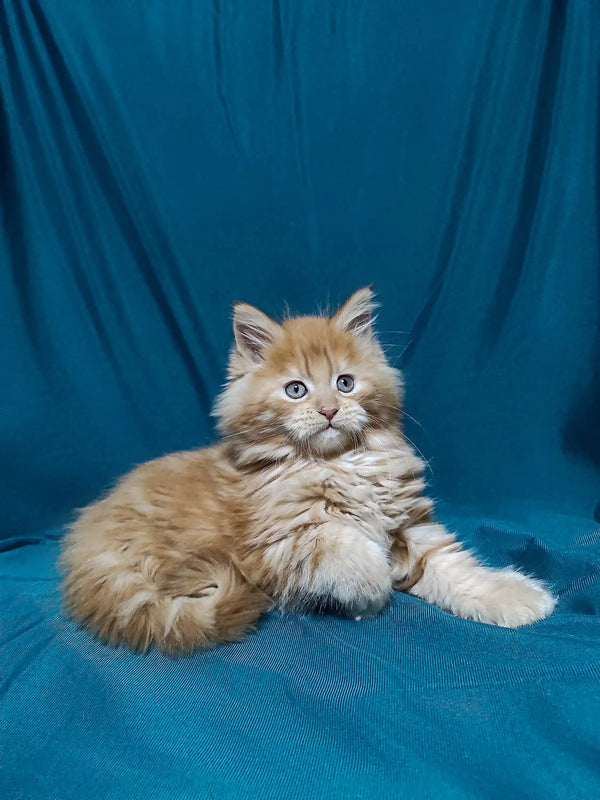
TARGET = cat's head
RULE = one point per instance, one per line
(314, 385)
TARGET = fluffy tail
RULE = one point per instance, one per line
(131, 608)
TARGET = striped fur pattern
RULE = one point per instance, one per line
(308, 502)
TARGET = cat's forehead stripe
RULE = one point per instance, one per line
(307, 370)
(311, 346)
(314, 362)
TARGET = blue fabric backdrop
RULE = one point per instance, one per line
(160, 160)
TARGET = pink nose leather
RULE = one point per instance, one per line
(329, 413)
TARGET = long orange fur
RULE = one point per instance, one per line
(294, 508)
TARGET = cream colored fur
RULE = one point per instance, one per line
(292, 509)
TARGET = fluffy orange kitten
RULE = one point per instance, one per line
(311, 501)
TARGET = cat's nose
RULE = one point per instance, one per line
(329, 413)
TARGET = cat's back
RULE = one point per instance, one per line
(187, 479)
(190, 487)
(188, 492)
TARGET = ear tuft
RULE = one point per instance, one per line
(253, 332)
(356, 315)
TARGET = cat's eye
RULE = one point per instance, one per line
(295, 390)
(345, 383)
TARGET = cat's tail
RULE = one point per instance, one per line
(133, 610)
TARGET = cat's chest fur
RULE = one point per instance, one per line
(312, 522)
(371, 485)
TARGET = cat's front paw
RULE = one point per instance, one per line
(351, 570)
(513, 600)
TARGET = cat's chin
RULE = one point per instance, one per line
(332, 441)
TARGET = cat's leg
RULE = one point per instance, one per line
(342, 567)
(430, 563)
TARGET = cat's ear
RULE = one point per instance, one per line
(253, 331)
(356, 315)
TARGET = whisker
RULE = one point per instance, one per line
(406, 346)
(423, 459)
(406, 414)
(402, 439)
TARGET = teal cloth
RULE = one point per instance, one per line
(159, 161)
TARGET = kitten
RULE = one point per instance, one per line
(312, 500)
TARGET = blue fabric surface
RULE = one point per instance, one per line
(160, 160)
